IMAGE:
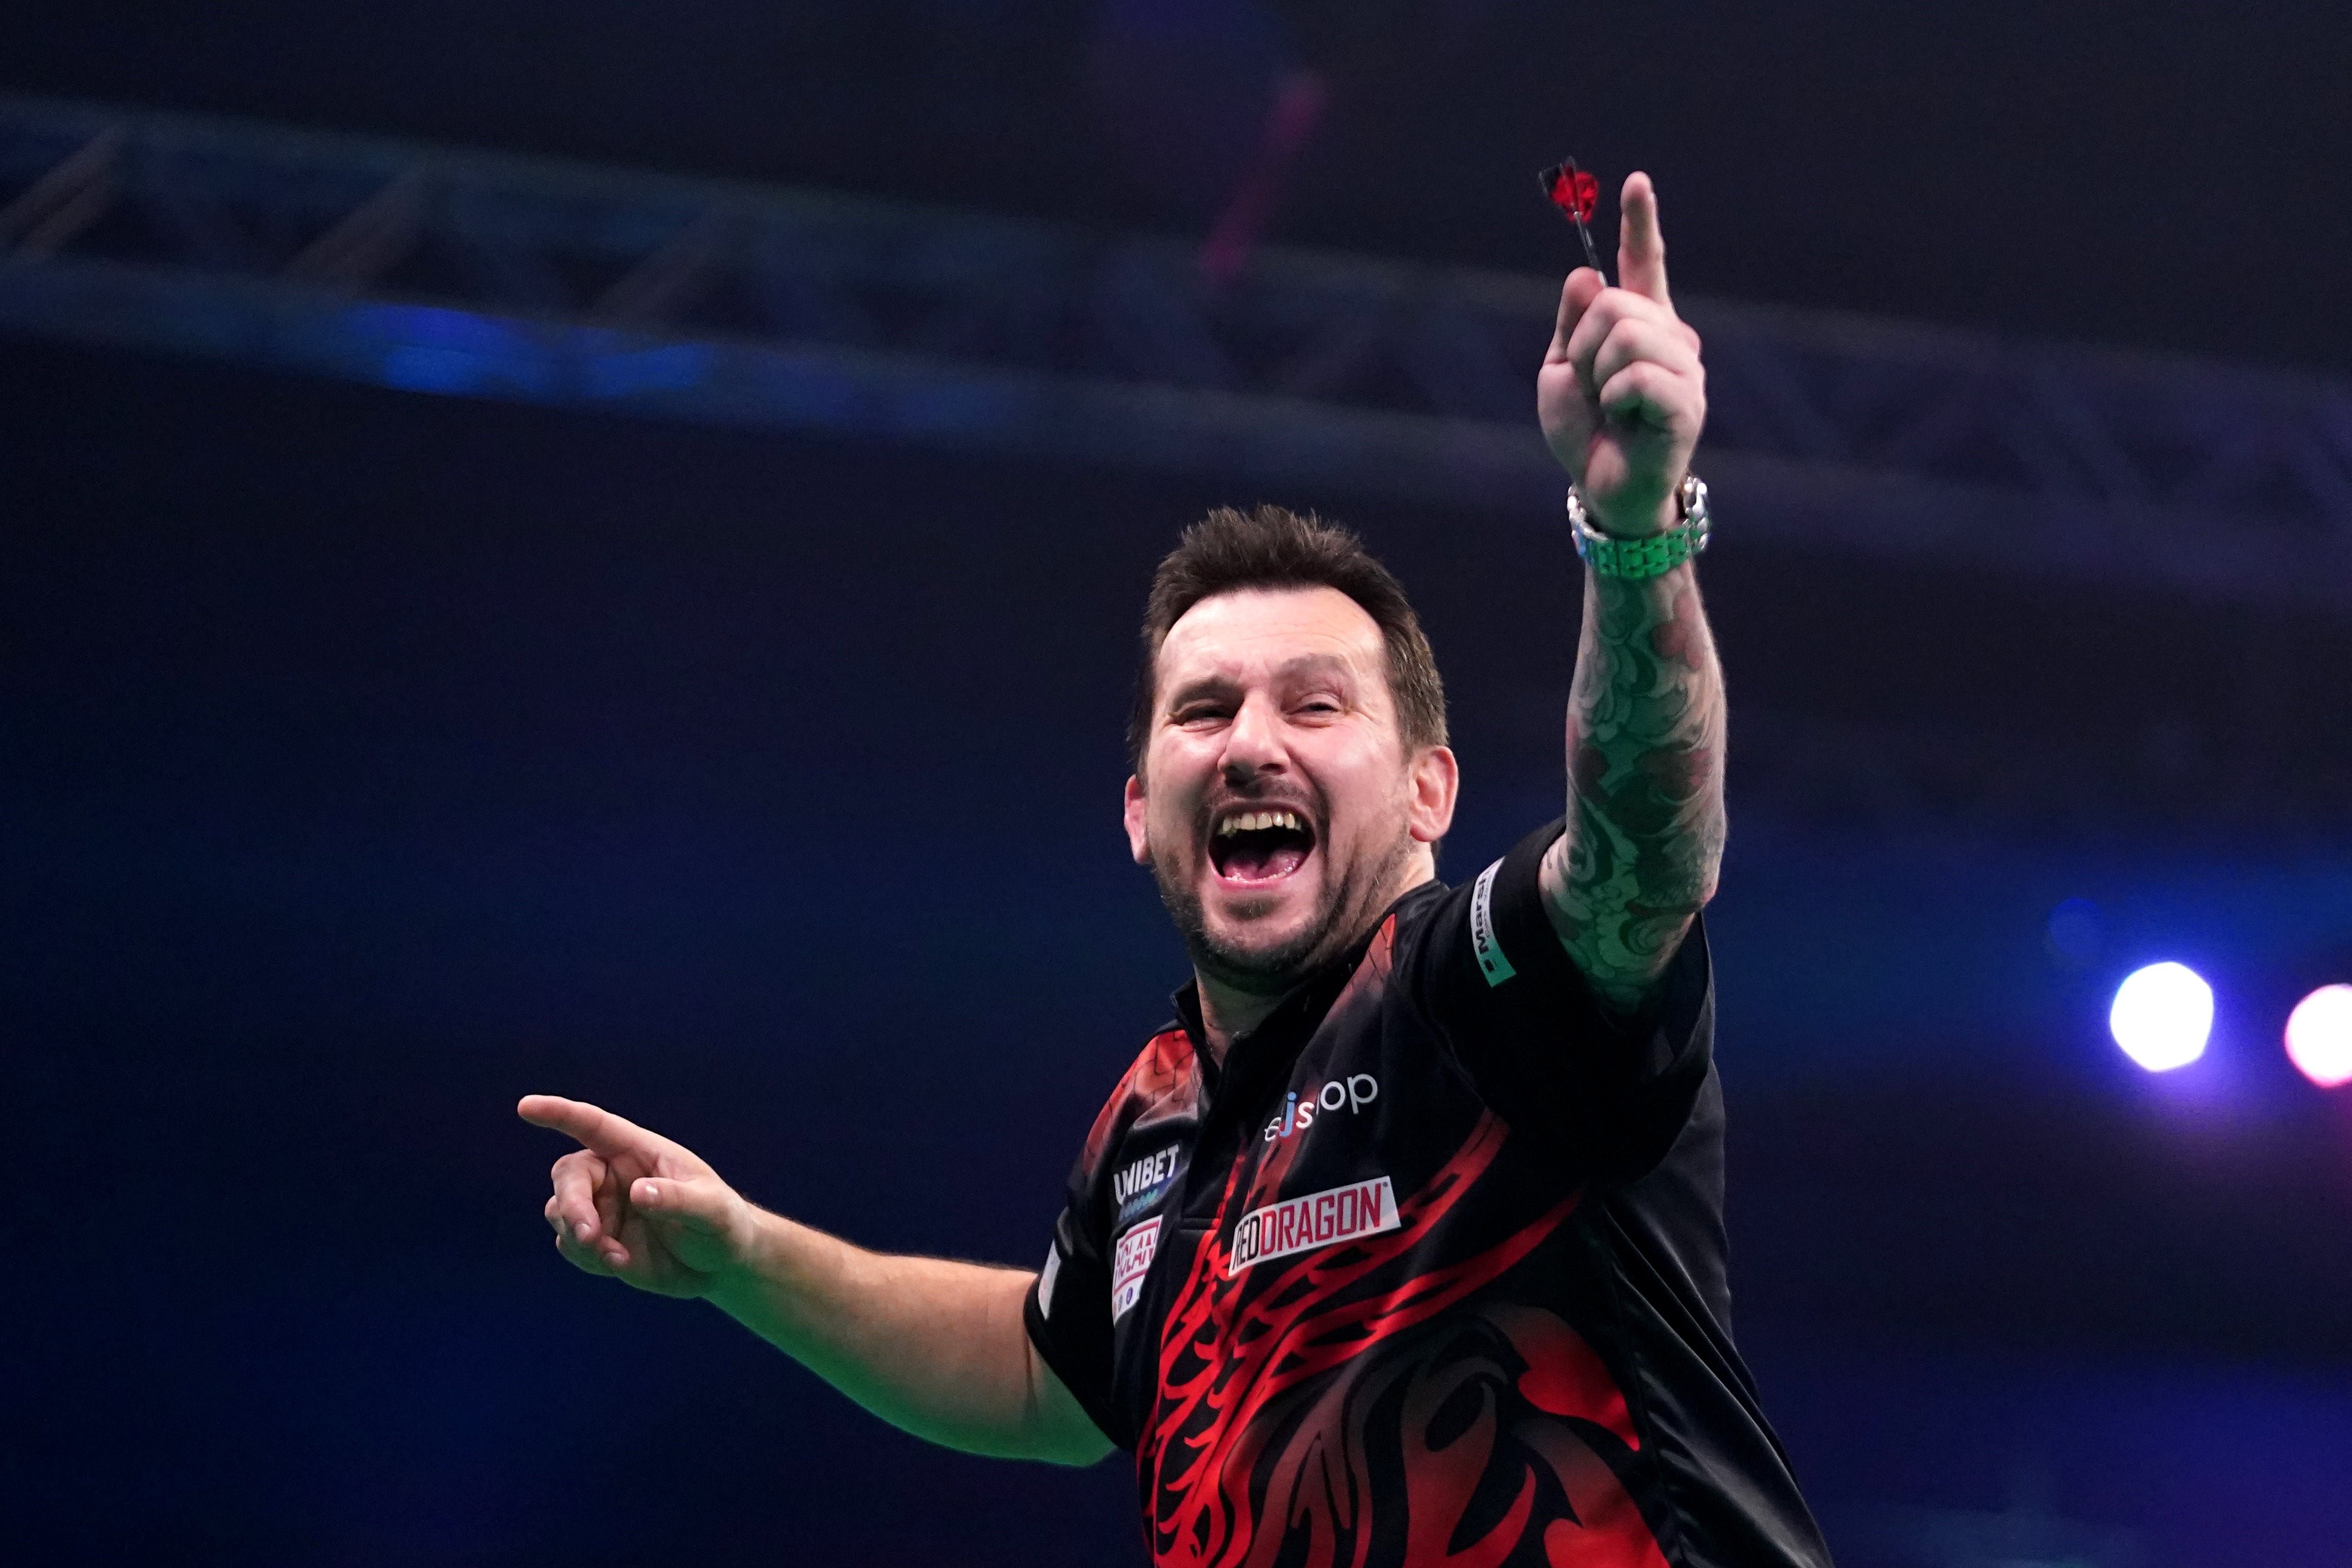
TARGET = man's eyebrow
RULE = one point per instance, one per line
(1214, 684)
(1217, 681)
(1305, 664)
(1316, 664)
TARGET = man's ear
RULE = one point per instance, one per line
(1436, 782)
(1139, 839)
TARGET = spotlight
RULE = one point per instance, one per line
(2162, 1016)
(2319, 1036)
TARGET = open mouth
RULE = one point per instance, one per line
(1260, 845)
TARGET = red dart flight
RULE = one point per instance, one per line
(1575, 192)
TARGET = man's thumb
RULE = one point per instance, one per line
(694, 1204)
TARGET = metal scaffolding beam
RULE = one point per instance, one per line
(435, 270)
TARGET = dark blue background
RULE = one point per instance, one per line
(374, 758)
(367, 760)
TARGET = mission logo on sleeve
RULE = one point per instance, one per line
(1046, 1278)
(1484, 943)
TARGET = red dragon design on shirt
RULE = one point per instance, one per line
(1313, 1397)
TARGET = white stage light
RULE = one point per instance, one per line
(2319, 1036)
(2162, 1016)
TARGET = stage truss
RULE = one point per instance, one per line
(473, 274)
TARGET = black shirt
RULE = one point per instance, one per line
(1430, 1271)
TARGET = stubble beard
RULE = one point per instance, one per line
(1348, 906)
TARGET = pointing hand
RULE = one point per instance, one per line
(1621, 394)
(633, 1205)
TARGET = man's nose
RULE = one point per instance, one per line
(1253, 741)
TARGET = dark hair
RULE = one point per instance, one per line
(1228, 550)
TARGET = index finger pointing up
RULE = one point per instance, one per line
(595, 1128)
(1640, 247)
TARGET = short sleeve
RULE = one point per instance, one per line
(1543, 1051)
(1069, 1309)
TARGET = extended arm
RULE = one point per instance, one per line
(1623, 397)
(1644, 782)
(932, 1346)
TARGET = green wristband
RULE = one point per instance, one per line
(1610, 556)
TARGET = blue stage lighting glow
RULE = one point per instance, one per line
(2319, 1036)
(2162, 1016)
(2075, 932)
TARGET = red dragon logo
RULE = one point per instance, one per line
(1325, 1399)
(1339, 1394)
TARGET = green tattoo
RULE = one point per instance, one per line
(1645, 823)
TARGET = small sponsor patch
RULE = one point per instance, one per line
(1317, 1220)
(1130, 1260)
(1300, 1107)
(1145, 1181)
(1045, 1278)
(1497, 967)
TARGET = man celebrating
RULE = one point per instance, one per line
(1402, 1246)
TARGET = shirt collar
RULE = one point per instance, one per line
(1304, 1003)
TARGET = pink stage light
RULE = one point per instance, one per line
(2319, 1036)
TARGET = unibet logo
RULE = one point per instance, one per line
(1148, 1172)
(1300, 1110)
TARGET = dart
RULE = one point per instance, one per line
(1574, 191)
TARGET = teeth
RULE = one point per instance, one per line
(1258, 822)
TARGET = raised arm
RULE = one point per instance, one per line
(1622, 396)
(932, 1346)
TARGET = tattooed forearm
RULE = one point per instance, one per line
(1646, 820)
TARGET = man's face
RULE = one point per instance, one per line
(1278, 806)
